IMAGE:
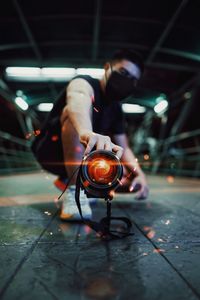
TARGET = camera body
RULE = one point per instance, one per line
(100, 174)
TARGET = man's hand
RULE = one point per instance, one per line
(140, 180)
(102, 142)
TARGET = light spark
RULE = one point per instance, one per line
(54, 138)
(147, 228)
(151, 234)
(167, 222)
(160, 240)
(96, 109)
(159, 250)
(170, 179)
(146, 157)
(119, 181)
(131, 188)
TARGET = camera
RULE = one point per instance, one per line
(100, 174)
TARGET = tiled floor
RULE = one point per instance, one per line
(44, 258)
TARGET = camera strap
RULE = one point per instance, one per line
(103, 227)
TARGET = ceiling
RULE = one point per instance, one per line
(85, 33)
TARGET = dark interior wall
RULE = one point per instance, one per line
(9, 118)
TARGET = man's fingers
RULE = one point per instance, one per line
(108, 147)
(118, 150)
(143, 191)
(100, 145)
(142, 194)
(101, 142)
(132, 185)
(90, 145)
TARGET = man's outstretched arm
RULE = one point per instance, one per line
(79, 112)
(130, 162)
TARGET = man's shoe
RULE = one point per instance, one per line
(69, 210)
(60, 183)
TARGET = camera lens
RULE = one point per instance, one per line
(101, 172)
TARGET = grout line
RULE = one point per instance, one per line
(24, 259)
(163, 256)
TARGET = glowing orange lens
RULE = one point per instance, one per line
(101, 170)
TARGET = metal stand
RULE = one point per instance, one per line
(108, 202)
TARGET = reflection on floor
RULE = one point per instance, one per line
(44, 258)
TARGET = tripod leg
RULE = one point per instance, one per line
(108, 213)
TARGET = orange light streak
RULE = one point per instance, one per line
(170, 179)
(112, 193)
(37, 132)
(96, 109)
(146, 157)
(86, 183)
(159, 250)
(54, 138)
(34, 132)
(147, 228)
(151, 234)
(119, 181)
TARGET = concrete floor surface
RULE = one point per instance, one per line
(44, 258)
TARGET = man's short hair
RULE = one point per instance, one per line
(130, 55)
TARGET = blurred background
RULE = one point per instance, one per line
(43, 44)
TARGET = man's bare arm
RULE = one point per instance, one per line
(79, 111)
(130, 162)
(128, 158)
(79, 105)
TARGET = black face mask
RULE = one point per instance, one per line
(119, 87)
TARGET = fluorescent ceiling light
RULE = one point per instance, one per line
(21, 103)
(161, 107)
(58, 72)
(53, 74)
(94, 72)
(22, 72)
(45, 107)
(133, 108)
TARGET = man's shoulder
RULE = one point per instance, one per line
(84, 83)
(91, 80)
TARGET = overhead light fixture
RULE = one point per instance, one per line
(19, 93)
(22, 72)
(21, 103)
(133, 108)
(161, 107)
(53, 74)
(61, 73)
(45, 107)
(187, 95)
(94, 72)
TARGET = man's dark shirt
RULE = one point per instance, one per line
(107, 119)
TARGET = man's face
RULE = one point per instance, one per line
(126, 68)
(121, 79)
